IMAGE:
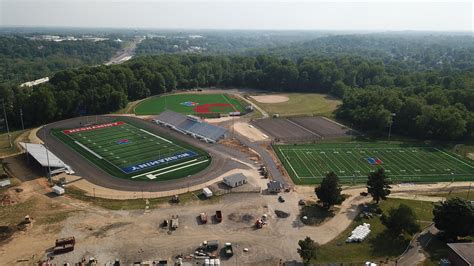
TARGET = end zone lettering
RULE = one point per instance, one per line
(75, 130)
(142, 166)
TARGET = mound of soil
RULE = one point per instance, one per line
(281, 214)
(246, 218)
(6, 232)
(7, 200)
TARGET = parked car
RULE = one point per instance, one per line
(281, 199)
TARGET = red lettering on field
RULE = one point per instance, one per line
(81, 129)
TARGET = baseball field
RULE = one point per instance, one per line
(125, 150)
(308, 164)
(194, 104)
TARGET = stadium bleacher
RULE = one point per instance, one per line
(190, 125)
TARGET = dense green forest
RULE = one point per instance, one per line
(432, 98)
(22, 59)
(221, 42)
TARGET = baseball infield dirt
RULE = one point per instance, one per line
(271, 98)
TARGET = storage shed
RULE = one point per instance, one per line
(274, 186)
(235, 180)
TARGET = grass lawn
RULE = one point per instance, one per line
(303, 104)
(378, 246)
(136, 204)
(403, 162)
(463, 194)
(125, 150)
(194, 104)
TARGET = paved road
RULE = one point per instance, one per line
(125, 54)
(415, 255)
(266, 157)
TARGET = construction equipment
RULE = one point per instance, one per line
(228, 250)
(174, 222)
(261, 222)
(64, 245)
(219, 216)
(203, 217)
(175, 199)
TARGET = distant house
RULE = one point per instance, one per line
(461, 254)
(274, 186)
(235, 180)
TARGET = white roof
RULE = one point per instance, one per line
(38, 151)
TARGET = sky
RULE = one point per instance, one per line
(226, 14)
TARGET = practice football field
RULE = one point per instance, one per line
(308, 164)
(194, 104)
(127, 151)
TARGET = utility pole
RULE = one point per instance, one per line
(392, 115)
(6, 123)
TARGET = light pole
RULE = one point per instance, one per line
(6, 124)
(26, 139)
(392, 115)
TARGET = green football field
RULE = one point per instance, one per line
(308, 164)
(195, 104)
(127, 151)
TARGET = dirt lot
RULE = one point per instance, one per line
(323, 126)
(249, 131)
(271, 98)
(284, 129)
(136, 235)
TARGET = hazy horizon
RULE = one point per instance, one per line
(228, 15)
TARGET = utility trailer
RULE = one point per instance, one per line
(174, 222)
(219, 216)
(203, 217)
(228, 250)
(65, 241)
(64, 245)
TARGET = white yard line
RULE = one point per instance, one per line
(89, 150)
(447, 154)
(164, 168)
(82, 146)
(306, 166)
(151, 134)
(288, 162)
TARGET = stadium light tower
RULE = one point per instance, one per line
(392, 115)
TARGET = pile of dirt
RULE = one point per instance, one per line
(7, 200)
(281, 214)
(6, 232)
(102, 232)
(241, 218)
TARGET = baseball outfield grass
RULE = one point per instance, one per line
(303, 104)
(194, 104)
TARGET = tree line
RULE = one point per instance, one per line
(22, 59)
(431, 104)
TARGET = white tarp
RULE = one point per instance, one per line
(42, 155)
(359, 233)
